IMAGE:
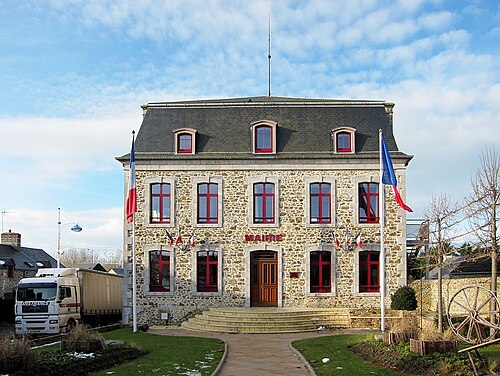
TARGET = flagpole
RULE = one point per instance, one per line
(382, 247)
(134, 273)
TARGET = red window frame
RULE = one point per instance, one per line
(207, 270)
(321, 271)
(263, 139)
(343, 138)
(318, 197)
(184, 143)
(368, 195)
(208, 201)
(157, 267)
(157, 202)
(263, 194)
(369, 269)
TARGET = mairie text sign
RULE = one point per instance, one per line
(263, 237)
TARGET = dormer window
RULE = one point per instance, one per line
(343, 140)
(185, 141)
(264, 137)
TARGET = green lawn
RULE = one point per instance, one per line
(168, 355)
(342, 361)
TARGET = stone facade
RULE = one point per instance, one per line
(229, 239)
(292, 236)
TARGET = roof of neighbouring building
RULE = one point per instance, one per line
(25, 258)
(92, 266)
(304, 127)
(473, 268)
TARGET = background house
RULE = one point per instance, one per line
(17, 262)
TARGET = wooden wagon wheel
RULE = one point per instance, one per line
(470, 316)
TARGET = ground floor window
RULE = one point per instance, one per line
(369, 271)
(159, 271)
(207, 270)
(321, 271)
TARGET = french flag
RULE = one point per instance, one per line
(131, 206)
(388, 175)
(170, 237)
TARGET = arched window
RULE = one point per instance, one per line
(264, 137)
(344, 142)
(321, 272)
(184, 143)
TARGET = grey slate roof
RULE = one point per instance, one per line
(25, 258)
(304, 127)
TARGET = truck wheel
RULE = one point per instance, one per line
(71, 325)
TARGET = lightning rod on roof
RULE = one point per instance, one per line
(269, 57)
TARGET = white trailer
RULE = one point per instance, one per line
(56, 299)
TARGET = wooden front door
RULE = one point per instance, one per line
(264, 279)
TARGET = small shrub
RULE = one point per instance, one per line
(15, 354)
(82, 339)
(404, 299)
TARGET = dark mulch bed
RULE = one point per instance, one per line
(400, 359)
(59, 363)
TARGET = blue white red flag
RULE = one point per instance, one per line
(179, 238)
(388, 175)
(359, 242)
(191, 240)
(131, 206)
(170, 237)
(336, 241)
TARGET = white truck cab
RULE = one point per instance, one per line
(48, 303)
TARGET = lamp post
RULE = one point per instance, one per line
(60, 226)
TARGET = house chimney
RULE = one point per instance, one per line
(12, 238)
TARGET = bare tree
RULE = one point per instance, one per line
(442, 218)
(484, 206)
(75, 256)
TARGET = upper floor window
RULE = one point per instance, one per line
(185, 141)
(320, 272)
(159, 271)
(263, 203)
(264, 137)
(369, 271)
(207, 266)
(160, 203)
(368, 202)
(344, 140)
(207, 203)
(185, 144)
(320, 203)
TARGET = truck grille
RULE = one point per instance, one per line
(35, 309)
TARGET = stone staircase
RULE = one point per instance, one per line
(268, 320)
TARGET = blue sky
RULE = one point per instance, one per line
(74, 73)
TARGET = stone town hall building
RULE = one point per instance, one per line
(263, 183)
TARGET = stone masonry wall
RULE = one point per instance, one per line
(427, 291)
(231, 240)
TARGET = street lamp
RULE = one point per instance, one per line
(60, 226)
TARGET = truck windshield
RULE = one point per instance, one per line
(36, 291)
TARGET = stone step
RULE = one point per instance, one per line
(268, 320)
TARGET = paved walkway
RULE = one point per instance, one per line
(256, 354)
